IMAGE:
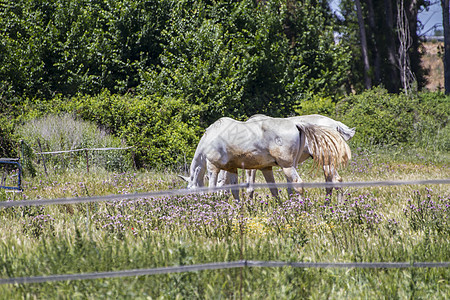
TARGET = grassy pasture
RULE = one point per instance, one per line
(378, 224)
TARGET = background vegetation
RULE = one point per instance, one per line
(153, 75)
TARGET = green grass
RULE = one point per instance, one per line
(377, 224)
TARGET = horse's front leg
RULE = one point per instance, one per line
(213, 174)
(232, 178)
(293, 177)
(250, 179)
(331, 175)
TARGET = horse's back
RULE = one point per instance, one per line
(253, 144)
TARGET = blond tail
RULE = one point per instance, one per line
(327, 146)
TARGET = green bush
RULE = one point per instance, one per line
(8, 144)
(316, 105)
(433, 126)
(381, 118)
(163, 131)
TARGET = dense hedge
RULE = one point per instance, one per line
(7, 138)
(394, 119)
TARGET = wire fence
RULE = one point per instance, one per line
(113, 158)
(180, 192)
(221, 266)
(83, 150)
(218, 265)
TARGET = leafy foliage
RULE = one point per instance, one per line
(156, 73)
(235, 58)
(57, 46)
(238, 59)
(383, 41)
(162, 130)
(389, 119)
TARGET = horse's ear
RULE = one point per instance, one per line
(184, 178)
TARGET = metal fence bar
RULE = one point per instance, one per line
(220, 266)
(181, 192)
(352, 184)
(223, 265)
(83, 149)
(357, 265)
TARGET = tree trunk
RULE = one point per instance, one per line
(415, 56)
(364, 49)
(376, 53)
(405, 43)
(446, 25)
(393, 74)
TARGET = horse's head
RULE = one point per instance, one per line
(191, 184)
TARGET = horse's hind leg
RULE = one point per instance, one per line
(331, 175)
(268, 176)
(292, 176)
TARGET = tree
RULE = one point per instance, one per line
(375, 51)
(383, 41)
(391, 53)
(364, 49)
(71, 46)
(238, 58)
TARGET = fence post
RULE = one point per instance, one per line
(43, 157)
(21, 152)
(19, 178)
(87, 160)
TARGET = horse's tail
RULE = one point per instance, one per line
(346, 132)
(326, 146)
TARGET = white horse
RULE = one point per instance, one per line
(260, 143)
(330, 171)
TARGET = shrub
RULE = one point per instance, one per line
(7, 138)
(163, 131)
(391, 119)
(433, 123)
(316, 105)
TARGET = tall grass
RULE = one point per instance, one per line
(393, 224)
(63, 132)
